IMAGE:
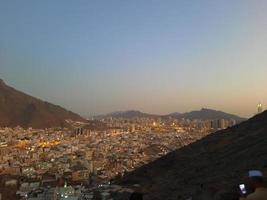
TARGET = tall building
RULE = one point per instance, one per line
(214, 124)
(259, 108)
(132, 128)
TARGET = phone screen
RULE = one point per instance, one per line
(243, 188)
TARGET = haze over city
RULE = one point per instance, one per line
(95, 57)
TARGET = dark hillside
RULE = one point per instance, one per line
(19, 109)
(212, 166)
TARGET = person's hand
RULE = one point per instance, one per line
(242, 196)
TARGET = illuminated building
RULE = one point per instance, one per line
(259, 108)
(66, 192)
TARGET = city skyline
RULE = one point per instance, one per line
(157, 57)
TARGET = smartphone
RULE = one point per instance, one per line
(242, 188)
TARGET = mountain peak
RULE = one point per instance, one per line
(202, 114)
(206, 109)
(20, 109)
(129, 114)
(2, 82)
(208, 114)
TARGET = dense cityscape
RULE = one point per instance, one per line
(34, 160)
(133, 100)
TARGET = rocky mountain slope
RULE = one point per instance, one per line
(210, 168)
(20, 109)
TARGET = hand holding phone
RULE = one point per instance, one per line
(242, 188)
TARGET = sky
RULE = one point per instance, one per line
(99, 56)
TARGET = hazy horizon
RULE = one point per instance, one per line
(96, 57)
(138, 110)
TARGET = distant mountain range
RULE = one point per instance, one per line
(210, 168)
(203, 114)
(20, 109)
(206, 114)
(128, 114)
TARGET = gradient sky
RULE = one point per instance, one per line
(98, 56)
